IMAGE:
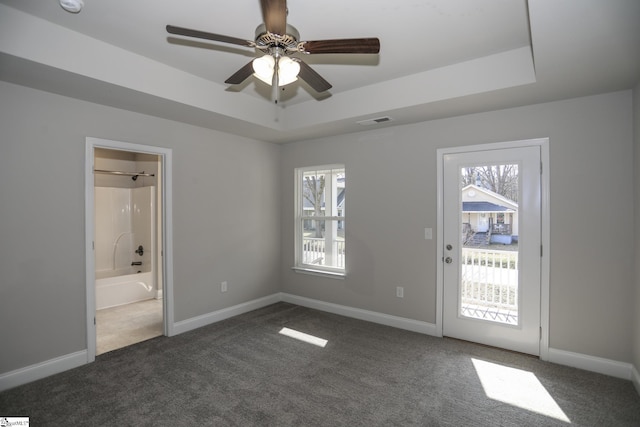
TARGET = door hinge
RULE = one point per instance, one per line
(541, 251)
(540, 168)
(94, 321)
(540, 333)
(93, 245)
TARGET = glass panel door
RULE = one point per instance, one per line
(489, 236)
(492, 247)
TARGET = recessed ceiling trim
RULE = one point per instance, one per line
(502, 70)
(113, 65)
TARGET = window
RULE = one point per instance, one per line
(320, 219)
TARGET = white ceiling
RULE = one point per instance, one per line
(438, 58)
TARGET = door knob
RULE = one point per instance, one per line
(448, 260)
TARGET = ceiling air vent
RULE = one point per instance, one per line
(376, 121)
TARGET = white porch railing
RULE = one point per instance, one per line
(314, 253)
(489, 279)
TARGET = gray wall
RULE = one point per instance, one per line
(636, 139)
(226, 217)
(391, 180)
(233, 210)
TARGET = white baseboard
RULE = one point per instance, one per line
(357, 313)
(225, 313)
(591, 363)
(635, 378)
(42, 370)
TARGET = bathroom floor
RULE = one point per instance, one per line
(128, 324)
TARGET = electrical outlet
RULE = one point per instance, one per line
(223, 286)
(400, 292)
(428, 233)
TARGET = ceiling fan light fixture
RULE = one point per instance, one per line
(72, 6)
(263, 68)
(275, 38)
(288, 69)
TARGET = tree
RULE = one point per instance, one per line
(314, 193)
(501, 179)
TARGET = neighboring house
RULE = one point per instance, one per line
(488, 217)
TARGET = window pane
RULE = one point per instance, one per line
(323, 243)
(313, 193)
(489, 287)
(340, 197)
(320, 214)
(323, 192)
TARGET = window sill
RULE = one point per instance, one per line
(321, 273)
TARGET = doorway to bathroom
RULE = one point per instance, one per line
(128, 297)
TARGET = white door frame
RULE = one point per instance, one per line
(543, 143)
(167, 230)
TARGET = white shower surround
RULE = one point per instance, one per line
(125, 219)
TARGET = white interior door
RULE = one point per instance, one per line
(491, 289)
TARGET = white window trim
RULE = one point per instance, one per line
(322, 273)
(299, 267)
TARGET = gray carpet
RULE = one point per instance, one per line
(243, 372)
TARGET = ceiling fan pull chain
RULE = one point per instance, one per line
(274, 86)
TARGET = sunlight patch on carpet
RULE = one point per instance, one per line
(518, 388)
(291, 333)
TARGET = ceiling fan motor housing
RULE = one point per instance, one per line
(288, 42)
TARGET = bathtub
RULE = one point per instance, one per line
(122, 286)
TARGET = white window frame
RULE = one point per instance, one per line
(300, 217)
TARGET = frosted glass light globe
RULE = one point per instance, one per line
(263, 68)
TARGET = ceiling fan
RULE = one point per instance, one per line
(277, 39)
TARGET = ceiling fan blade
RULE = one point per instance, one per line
(274, 13)
(366, 45)
(208, 36)
(312, 78)
(241, 75)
